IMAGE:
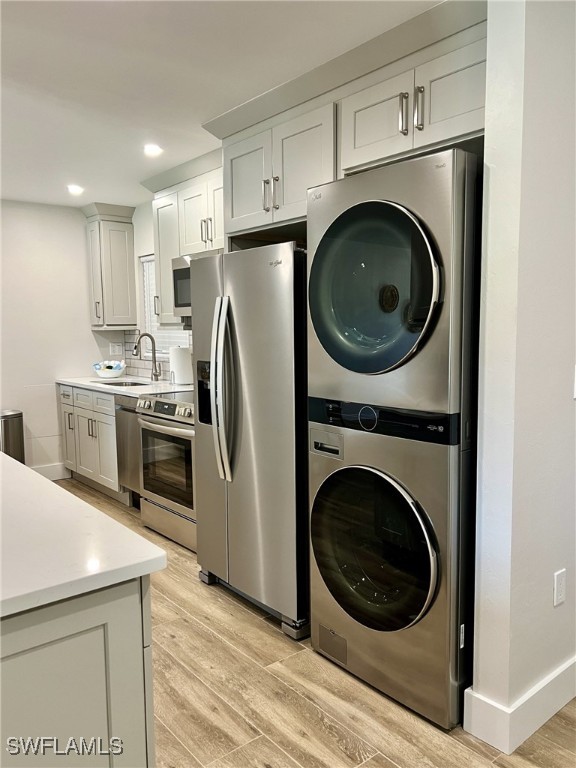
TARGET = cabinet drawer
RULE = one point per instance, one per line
(65, 394)
(103, 403)
(82, 398)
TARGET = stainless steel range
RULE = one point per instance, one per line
(167, 465)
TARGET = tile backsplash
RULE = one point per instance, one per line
(143, 368)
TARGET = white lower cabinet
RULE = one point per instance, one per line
(434, 102)
(89, 435)
(80, 669)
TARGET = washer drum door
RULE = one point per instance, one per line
(374, 548)
(374, 287)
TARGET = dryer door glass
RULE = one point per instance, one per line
(374, 286)
(373, 548)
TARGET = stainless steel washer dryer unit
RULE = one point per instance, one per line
(389, 559)
(390, 282)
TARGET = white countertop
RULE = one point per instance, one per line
(54, 545)
(145, 386)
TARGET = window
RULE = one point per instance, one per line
(166, 335)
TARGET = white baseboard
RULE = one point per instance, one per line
(507, 727)
(53, 471)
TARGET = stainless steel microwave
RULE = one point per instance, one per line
(181, 281)
(181, 286)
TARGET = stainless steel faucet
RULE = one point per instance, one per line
(156, 370)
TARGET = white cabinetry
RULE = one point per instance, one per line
(188, 219)
(201, 216)
(165, 221)
(112, 273)
(266, 176)
(436, 101)
(89, 435)
(79, 667)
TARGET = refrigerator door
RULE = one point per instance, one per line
(260, 413)
(210, 489)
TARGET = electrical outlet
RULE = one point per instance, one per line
(559, 587)
(116, 348)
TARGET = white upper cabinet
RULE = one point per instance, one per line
(266, 176)
(201, 215)
(112, 273)
(377, 121)
(166, 248)
(437, 101)
(450, 94)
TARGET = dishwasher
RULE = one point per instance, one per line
(128, 442)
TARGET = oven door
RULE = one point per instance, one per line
(166, 475)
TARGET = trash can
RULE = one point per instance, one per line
(12, 434)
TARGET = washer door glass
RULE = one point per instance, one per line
(373, 548)
(374, 285)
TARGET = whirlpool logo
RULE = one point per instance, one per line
(275, 263)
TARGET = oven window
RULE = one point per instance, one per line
(167, 467)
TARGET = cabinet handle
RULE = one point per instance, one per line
(94, 432)
(403, 113)
(203, 230)
(209, 230)
(96, 305)
(70, 424)
(89, 428)
(419, 108)
(265, 185)
(157, 305)
(66, 395)
(275, 179)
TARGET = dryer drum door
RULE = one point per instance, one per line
(373, 548)
(374, 286)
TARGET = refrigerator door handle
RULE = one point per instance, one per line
(221, 389)
(213, 395)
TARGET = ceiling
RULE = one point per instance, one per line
(85, 84)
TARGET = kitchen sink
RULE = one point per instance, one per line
(122, 383)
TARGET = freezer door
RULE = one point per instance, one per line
(260, 412)
(209, 488)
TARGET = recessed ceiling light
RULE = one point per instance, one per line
(74, 189)
(152, 150)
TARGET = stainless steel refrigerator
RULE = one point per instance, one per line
(249, 357)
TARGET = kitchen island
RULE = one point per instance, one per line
(76, 666)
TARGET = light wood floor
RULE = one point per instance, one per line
(232, 691)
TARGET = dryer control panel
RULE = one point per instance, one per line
(426, 426)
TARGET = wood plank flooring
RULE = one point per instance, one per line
(232, 691)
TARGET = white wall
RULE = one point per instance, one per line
(525, 648)
(45, 324)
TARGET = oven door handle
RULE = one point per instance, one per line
(165, 430)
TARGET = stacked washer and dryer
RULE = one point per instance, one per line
(391, 427)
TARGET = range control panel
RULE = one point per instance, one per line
(166, 409)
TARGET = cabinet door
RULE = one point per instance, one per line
(68, 441)
(452, 96)
(86, 443)
(96, 305)
(166, 248)
(247, 177)
(377, 122)
(302, 157)
(105, 430)
(215, 221)
(118, 273)
(76, 668)
(192, 214)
